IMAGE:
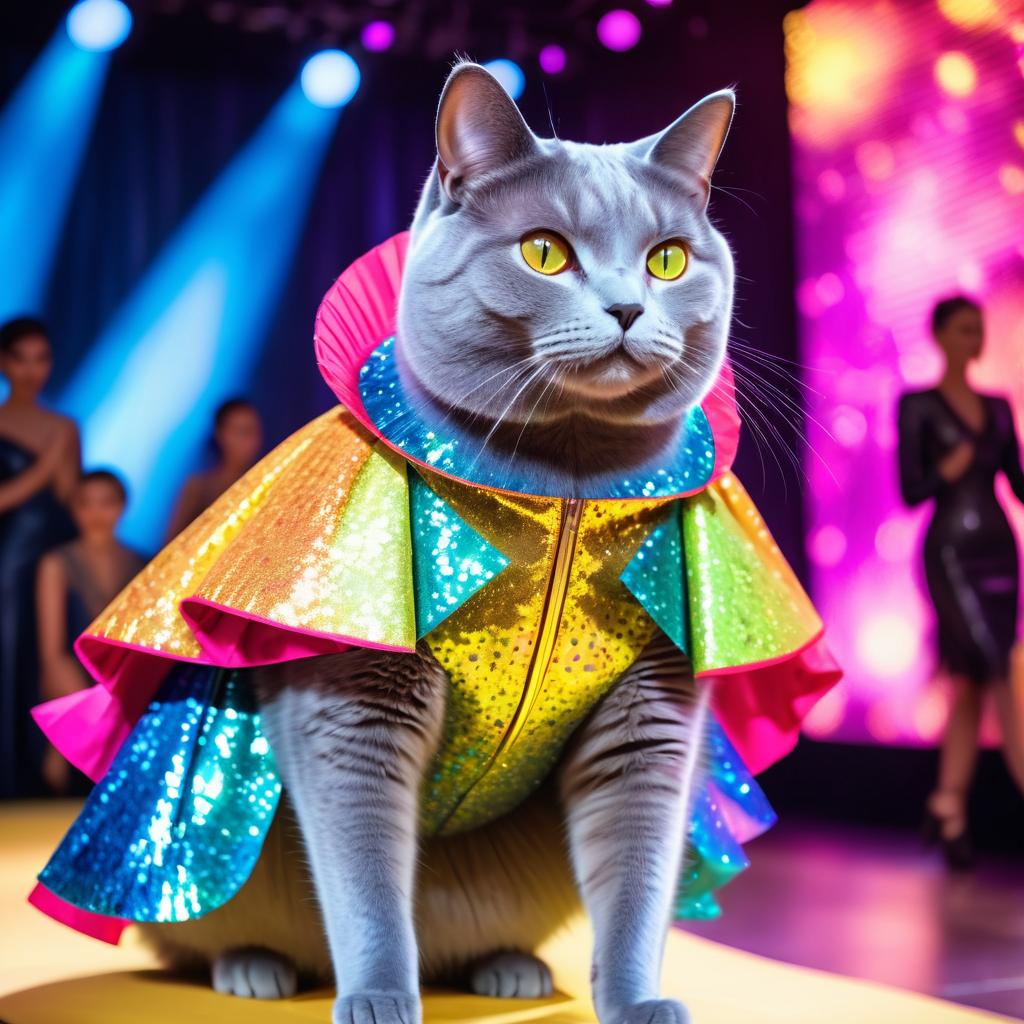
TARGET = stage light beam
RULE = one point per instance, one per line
(44, 130)
(189, 334)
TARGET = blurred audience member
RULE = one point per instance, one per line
(953, 442)
(39, 467)
(75, 582)
(238, 438)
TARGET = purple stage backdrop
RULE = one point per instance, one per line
(907, 126)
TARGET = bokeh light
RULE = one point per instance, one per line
(827, 546)
(330, 78)
(889, 643)
(619, 30)
(552, 59)
(378, 36)
(1011, 177)
(99, 25)
(909, 185)
(509, 74)
(970, 13)
(954, 71)
(839, 62)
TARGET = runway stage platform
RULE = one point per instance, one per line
(51, 975)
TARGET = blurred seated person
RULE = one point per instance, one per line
(39, 466)
(238, 439)
(74, 583)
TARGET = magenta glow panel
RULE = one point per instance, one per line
(907, 128)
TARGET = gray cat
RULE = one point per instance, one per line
(531, 315)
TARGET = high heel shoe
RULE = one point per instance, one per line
(957, 851)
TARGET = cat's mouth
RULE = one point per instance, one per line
(613, 375)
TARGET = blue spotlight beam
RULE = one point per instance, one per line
(188, 335)
(44, 129)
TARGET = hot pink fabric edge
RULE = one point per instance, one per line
(358, 313)
(89, 727)
(238, 639)
(106, 929)
(761, 707)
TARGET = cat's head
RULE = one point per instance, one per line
(554, 285)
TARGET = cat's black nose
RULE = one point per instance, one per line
(627, 313)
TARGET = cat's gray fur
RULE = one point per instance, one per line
(353, 733)
(481, 331)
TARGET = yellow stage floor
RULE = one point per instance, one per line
(51, 975)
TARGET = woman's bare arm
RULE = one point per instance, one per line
(69, 466)
(36, 478)
(61, 673)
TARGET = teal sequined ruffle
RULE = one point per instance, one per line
(175, 827)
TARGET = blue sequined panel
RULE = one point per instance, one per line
(729, 810)
(174, 828)
(441, 446)
(451, 561)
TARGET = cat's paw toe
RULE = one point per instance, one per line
(254, 974)
(377, 1008)
(511, 975)
(653, 1011)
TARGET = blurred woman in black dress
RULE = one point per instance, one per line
(953, 441)
(39, 466)
(74, 583)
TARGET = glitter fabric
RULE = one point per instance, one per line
(746, 604)
(372, 527)
(656, 578)
(532, 652)
(175, 827)
(304, 560)
(440, 446)
(451, 561)
(729, 809)
(285, 508)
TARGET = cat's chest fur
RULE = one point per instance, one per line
(532, 653)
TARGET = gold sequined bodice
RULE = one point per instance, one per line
(531, 654)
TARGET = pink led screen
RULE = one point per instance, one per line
(907, 128)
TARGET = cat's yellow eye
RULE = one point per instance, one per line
(545, 251)
(667, 260)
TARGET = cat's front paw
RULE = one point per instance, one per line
(653, 1011)
(254, 973)
(378, 1008)
(511, 975)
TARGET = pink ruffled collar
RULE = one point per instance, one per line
(358, 314)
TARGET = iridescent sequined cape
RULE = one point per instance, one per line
(367, 528)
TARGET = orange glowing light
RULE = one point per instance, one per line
(1011, 177)
(1018, 133)
(838, 66)
(970, 13)
(954, 72)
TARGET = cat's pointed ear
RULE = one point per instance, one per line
(479, 128)
(692, 143)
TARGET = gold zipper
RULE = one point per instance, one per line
(547, 630)
(550, 619)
